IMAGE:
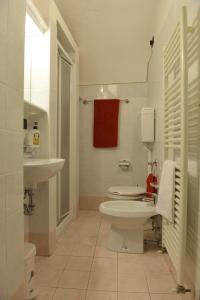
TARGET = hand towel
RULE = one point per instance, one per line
(151, 178)
(105, 134)
(165, 204)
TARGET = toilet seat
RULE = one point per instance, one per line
(126, 192)
(127, 209)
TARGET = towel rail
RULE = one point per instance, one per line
(175, 142)
(85, 101)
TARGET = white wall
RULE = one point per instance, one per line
(12, 19)
(99, 167)
(166, 21)
(113, 37)
(43, 8)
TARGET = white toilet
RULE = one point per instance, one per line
(126, 193)
(127, 218)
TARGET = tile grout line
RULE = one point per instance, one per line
(98, 232)
(54, 293)
(117, 276)
(57, 287)
(99, 223)
(145, 275)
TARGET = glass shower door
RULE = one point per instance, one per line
(64, 78)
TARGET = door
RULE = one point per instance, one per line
(64, 78)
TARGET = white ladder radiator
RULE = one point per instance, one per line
(175, 142)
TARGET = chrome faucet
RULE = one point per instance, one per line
(154, 197)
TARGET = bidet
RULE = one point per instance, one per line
(127, 220)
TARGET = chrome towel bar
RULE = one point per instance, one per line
(84, 101)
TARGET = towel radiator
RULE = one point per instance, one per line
(175, 142)
(193, 237)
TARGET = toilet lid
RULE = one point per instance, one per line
(127, 190)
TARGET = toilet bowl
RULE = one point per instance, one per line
(129, 193)
(127, 220)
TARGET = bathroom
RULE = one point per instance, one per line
(64, 234)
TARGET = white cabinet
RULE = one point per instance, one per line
(37, 67)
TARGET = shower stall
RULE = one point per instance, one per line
(63, 134)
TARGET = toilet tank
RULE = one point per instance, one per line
(147, 124)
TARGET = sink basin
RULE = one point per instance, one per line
(41, 169)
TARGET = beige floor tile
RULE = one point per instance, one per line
(74, 279)
(69, 268)
(102, 240)
(83, 250)
(78, 237)
(55, 262)
(89, 220)
(99, 295)
(132, 283)
(155, 264)
(133, 296)
(89, 229)
(103, 281)
(101, 251)
(47, 276)
(129, 255)
(161, 283)
(69, 294)
(46, 293)
(76, 263)
(69, 237)
(91, 213)
(88, 240)
(65, 248)
(132, 258)
(131, 265)
(102, 264)
(86, 237)
(166, 297)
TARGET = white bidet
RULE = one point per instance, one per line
(127, 220)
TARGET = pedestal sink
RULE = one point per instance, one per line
(41, 169)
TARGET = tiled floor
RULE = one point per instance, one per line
(83, 269)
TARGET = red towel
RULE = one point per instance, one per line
(150, 189)
(106, 123)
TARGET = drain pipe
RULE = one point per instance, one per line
(30, 206)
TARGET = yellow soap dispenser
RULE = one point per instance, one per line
(35, 135)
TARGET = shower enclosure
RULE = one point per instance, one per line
(63, 134)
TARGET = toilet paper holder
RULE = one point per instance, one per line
(124, 164)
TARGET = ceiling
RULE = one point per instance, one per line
(112, 35)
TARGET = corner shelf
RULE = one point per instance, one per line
(32, 109)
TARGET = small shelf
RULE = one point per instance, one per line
(32, 109)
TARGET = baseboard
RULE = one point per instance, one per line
(91, 203)
(19, 293)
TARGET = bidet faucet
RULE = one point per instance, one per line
(154, 197)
